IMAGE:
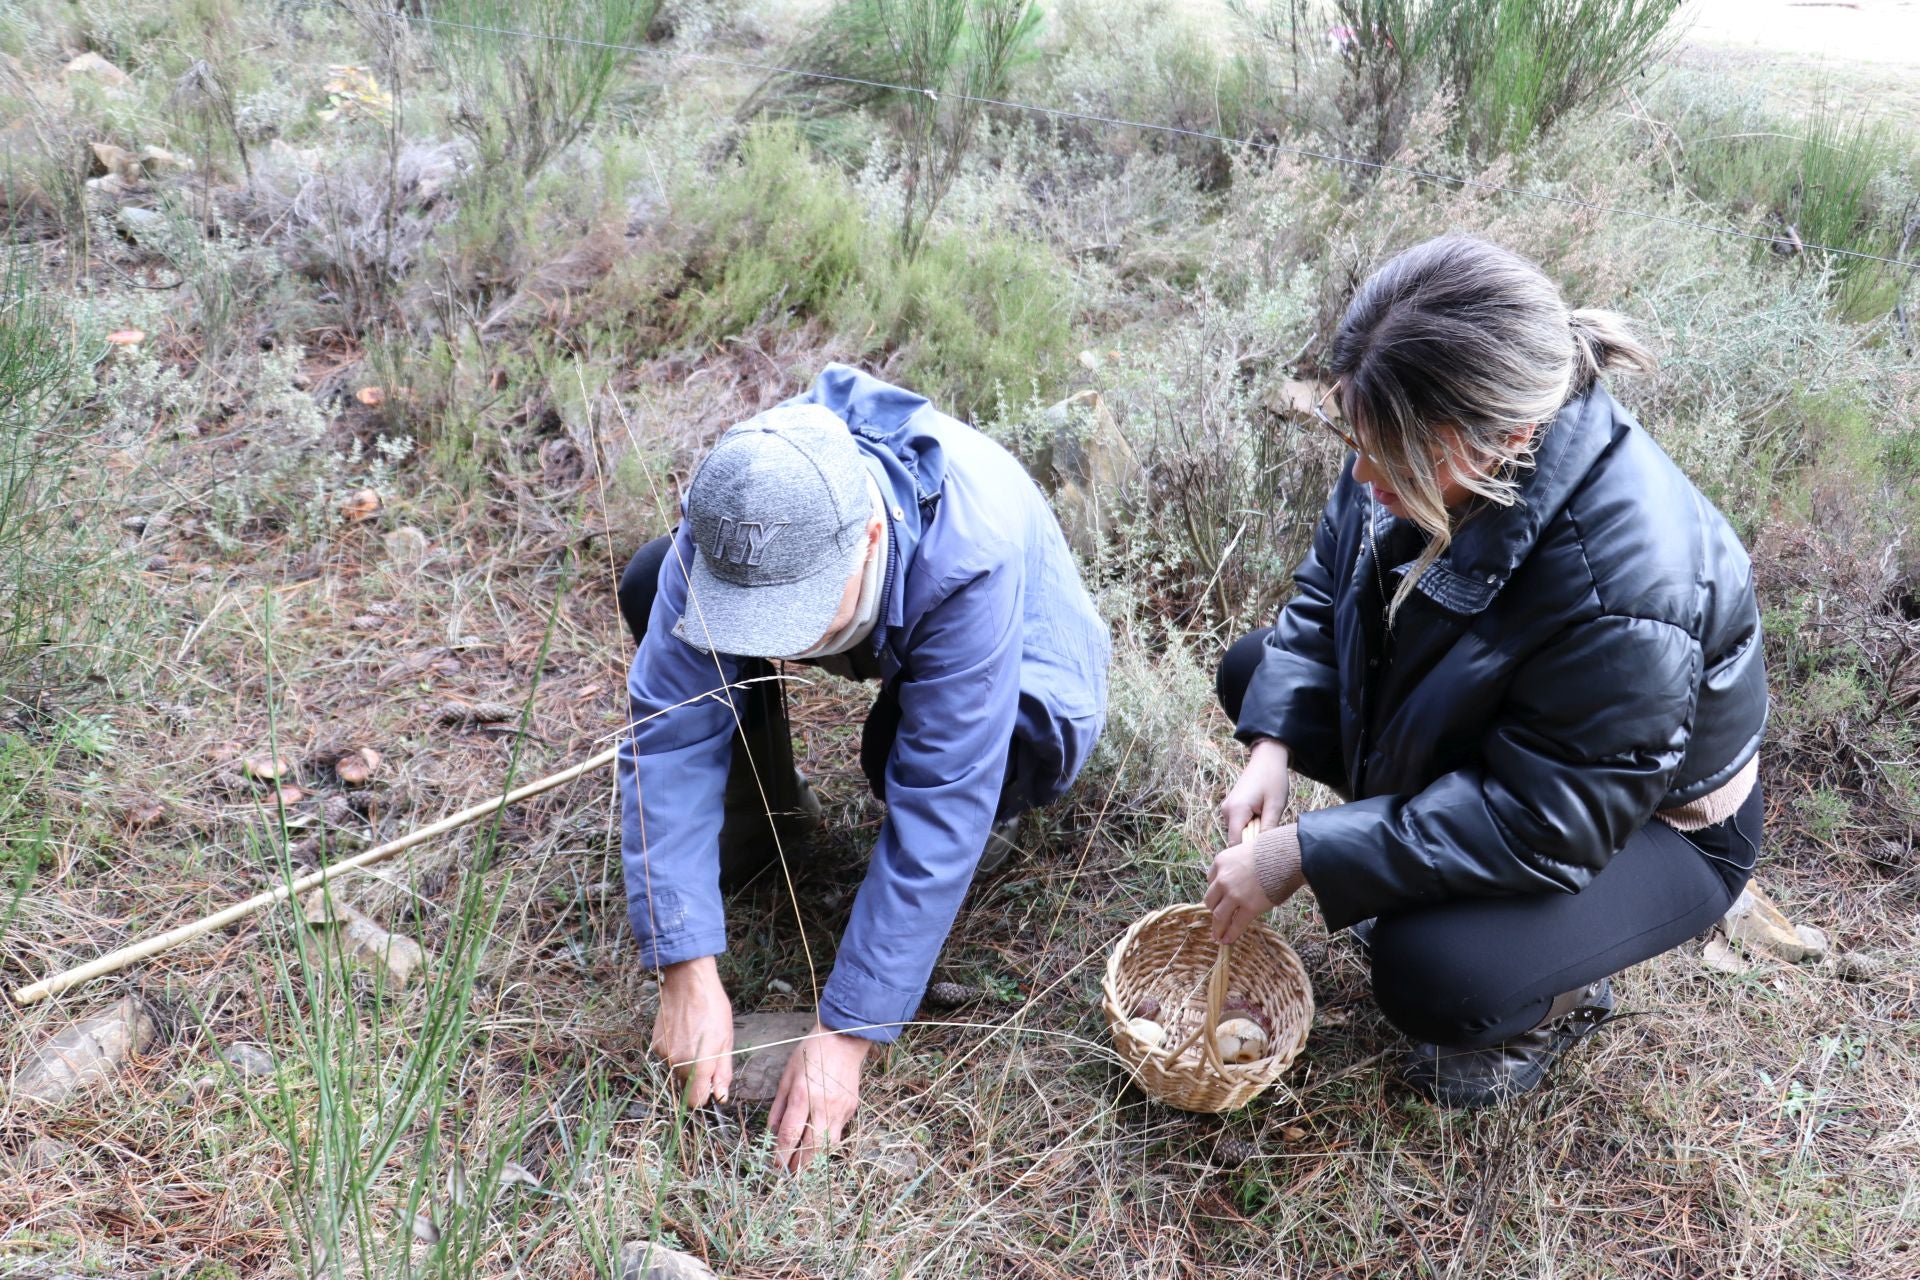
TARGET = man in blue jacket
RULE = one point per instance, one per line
(857, 528)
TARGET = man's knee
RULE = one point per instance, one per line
(1236, 670)
(640, 582)
(1435, 985)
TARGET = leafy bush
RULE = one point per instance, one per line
(1154, 62)
(776, 233)
(1840, 181)
(1512, 68)
(955, 52)
(532, 75)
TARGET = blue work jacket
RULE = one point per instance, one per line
(994, 650)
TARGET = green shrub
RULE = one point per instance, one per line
(41, 554)
(1512, 68)
(776, 233)
(1156, 62)
(524, 98)
(957, 52)
(1830, 180)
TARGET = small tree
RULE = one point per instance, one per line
(532, 75)
(927, 63)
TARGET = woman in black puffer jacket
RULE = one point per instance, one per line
(1525, 649)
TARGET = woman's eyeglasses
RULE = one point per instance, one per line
(1320, 413)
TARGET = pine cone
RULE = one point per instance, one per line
(1231, 1153)
(951, 995)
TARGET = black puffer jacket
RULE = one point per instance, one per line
(1571, 664)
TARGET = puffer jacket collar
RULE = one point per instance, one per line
(1496, 540)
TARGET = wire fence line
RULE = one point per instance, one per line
(1117, 122)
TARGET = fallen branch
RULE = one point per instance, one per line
(114, 961)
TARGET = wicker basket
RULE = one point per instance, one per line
(1170, 956)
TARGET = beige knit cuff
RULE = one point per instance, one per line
(1276, 859)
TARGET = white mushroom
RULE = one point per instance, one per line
(1240, 1040)
(1147, 1031)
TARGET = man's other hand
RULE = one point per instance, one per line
(694, 1031)
(818, 1095)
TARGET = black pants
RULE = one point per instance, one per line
(1477, 971)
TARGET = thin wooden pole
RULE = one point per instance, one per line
(114, 961)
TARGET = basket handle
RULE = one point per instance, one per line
(1216, 994)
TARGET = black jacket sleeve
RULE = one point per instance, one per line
(1294, 694)
(1575, 761)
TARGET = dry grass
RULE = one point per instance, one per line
(1756, 1126)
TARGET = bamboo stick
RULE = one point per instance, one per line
(114, 961)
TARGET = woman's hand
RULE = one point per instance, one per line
(1234, 894)
(1261, 792)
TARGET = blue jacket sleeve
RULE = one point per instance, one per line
(959, 695)
(673, 775)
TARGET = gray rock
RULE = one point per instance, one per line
(766, 1040)
(1754, 922)
(1814, 941)
(91, 66)
(643, 1260)
(248, 1060)
(47, 1156)
(390, 957)
(87, 1053)
(1721, 958)
(890, 1155)
(143, 225)
(406, 546)
(1090, 469)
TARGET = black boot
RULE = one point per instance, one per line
(1485, 1077)
(1003, 841)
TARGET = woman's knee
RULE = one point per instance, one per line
(1236, 670)
(1435, 985)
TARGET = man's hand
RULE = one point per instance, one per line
(694, 1031)
(1261, 792)
(818, 1095)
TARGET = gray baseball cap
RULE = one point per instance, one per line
(778, 510)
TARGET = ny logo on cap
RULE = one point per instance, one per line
(749, 539)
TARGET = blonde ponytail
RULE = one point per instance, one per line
(1603, 343)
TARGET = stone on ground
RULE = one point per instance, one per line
(248, 1059)
(641, 1260)
(91, 66)
(766, 1040)
(1721, 958)
(1088, 467)
(388, 956)
(891, 1155)
(1754, 922)
(1815, 941)
(87, 1053)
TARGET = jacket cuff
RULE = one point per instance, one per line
(860, 1005)
(658, 953)
(1276, 859)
